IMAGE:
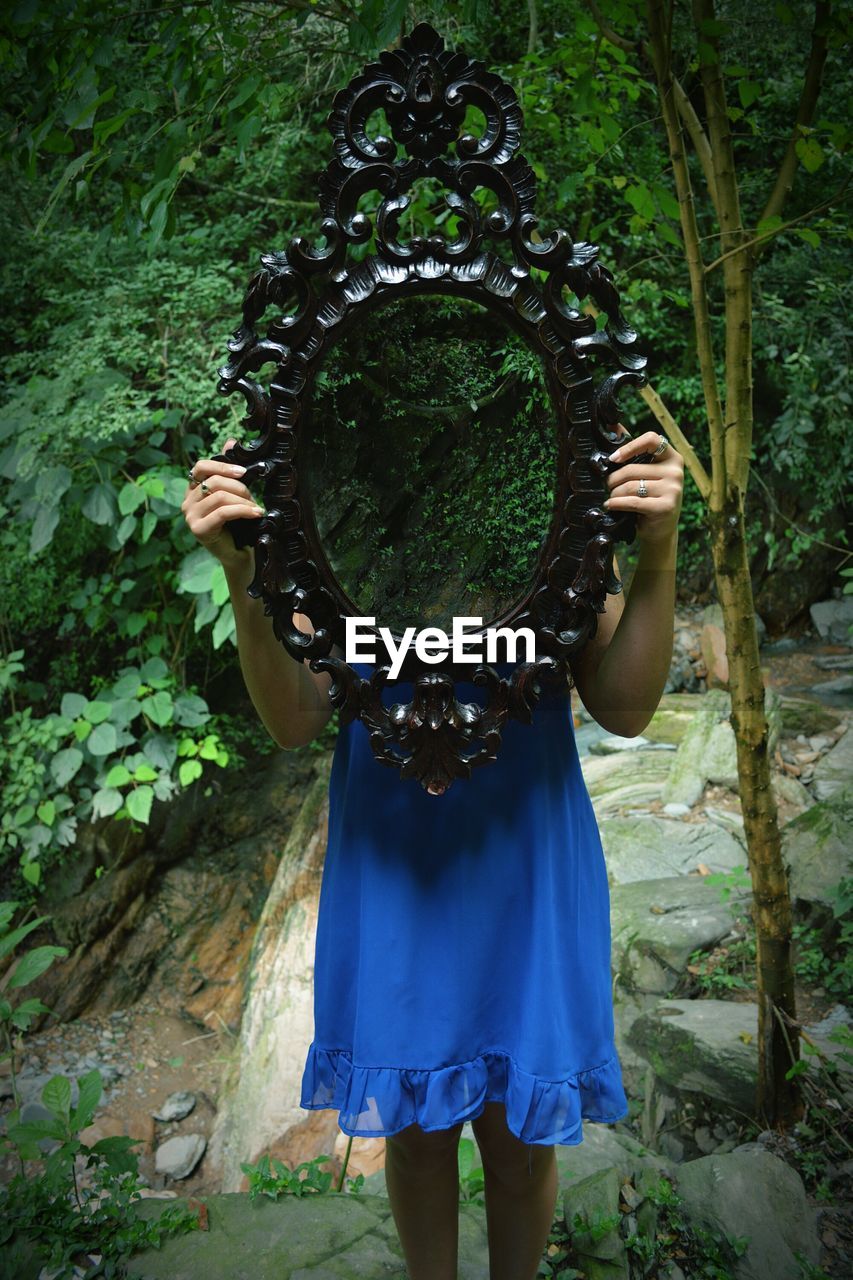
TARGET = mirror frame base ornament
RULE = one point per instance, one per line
(315, 294)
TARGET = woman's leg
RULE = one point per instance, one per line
(422, 1176)
(521, 1196)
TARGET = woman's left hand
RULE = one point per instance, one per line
(658, 512)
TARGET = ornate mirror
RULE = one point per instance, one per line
(432, 438)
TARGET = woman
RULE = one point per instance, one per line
(395, 897)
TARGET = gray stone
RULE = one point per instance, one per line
(791, 790)
(729, 821)
(178, 1156)
(651, 848)
(176, 1106)
(834, 770)
(586, 1207)
(802, 715)
(613, 744)
(833, 619)
(622, 781)
(757, 1196)
(676, 810)
(657, 924)
(708, 752)
(672, 718)
(703, 1046)
(818, 852)
(329, 1236)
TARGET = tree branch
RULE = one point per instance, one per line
(805, 110)
(769, 235)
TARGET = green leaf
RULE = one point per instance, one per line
(189, 771)
(810, 153)
(34, 963)
(224, 627)
(130, 497)
(190, 710)
(31, 871)
(65, 765)
(56, 1096)
(810, 237)
(118, 776)
(219, 585)
(99, 504)
(748, 91)
(106, 802)
(144, 773)
(640, 199)
(159, 707)
(707, 54)
(43, 528)
(153, 669)
(197, 571)
(102, 740)
(89, 1095)
(96, 712)
(11, 940)
(73, 705)
(47, 812)
(139, 803)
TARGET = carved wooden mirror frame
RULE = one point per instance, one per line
(317, 294)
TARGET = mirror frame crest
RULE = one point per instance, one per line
(317, 294)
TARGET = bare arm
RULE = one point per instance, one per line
(620, 674)
(291, 700)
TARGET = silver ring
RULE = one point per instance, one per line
(642, 491)
(661, 447)
(192, 480)
(204, 487)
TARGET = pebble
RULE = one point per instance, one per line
(178, 1156)
(176, 1106)
(676, 810)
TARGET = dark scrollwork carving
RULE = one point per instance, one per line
(311, 295)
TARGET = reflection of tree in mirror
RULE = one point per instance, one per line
(430, 460)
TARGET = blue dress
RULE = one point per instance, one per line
(463, 942)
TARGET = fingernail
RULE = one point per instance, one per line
(259, 511)
(238, 471)
(614, 455)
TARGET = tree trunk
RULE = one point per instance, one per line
(779, 1101)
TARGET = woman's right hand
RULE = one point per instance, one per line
(228, 498)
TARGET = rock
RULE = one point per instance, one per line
(818, 853)
(838, 691)
(651, 848)
(835, 769)
(713, 645)
(625, 780)
(753, 1195)
(312, 1237)
(259, 1103)
(708, 753)
(657, 924)
(800, 715)
(729, 821)
(833, 619)
(178, 1156)
(676, 810)
(703, 1046)
(790, 790)
(612, 744)
(588, 1207)
(176, 1106)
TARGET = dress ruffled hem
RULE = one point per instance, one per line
(377, 1102)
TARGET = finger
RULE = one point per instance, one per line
(202, 526)
(211, 467)
(219, 484)
(632, 502)
(640, 444)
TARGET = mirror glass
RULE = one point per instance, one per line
(429, 460)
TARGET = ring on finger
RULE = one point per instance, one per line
(662, 447)
(192, 479)
(642, 490)
(204, 488)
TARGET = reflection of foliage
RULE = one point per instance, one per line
(441, 502)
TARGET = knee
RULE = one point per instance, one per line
(421, 1148)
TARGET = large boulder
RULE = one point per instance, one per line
(312, 1237)
(817, 848)
(703, 1046)
(649, 848)
(258, 1104)
(657, 924)
(626, 780)
(834, 770)
(755, 1196)
(708, 752)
